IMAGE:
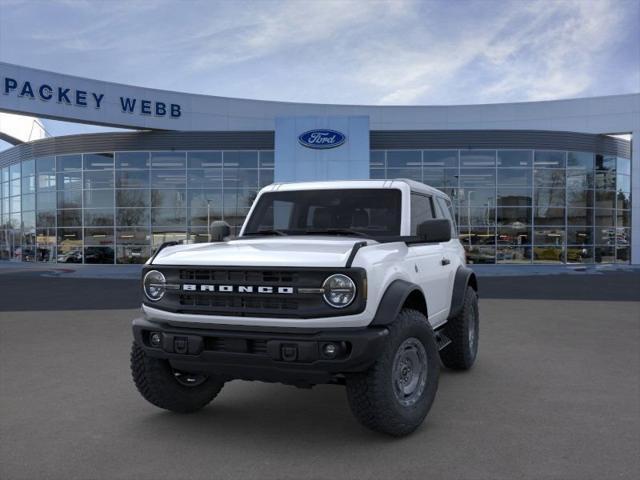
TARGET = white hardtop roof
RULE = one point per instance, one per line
(339, 184)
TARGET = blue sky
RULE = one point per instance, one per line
(361, 52)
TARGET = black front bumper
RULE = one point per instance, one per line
(275, 356)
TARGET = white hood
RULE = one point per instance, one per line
(289, 251)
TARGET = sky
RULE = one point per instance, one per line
(395, 52)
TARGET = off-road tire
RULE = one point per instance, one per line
(371, 394)
(461, 353)
(155, 380)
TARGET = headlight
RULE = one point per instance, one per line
(339, 290)
(154, 285)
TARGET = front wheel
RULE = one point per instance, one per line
(170, 389)
(396, 393)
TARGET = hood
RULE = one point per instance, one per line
(289, 251)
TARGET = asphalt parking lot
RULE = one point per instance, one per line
(555, 394)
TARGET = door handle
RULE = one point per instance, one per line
(445, 261)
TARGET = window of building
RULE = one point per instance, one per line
(515, 158)
(175, 160)
(97, 161)
(68, 162)
(132, 160)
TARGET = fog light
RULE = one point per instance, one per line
(330, 350)
(155, 339)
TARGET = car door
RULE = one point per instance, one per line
(451, 249)
(426, 260)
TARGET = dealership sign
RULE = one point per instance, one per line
(322, 138)
(70, 96)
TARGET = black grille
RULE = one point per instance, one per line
(237, 345)
(236, 303)
(243, 277)
(253, 303)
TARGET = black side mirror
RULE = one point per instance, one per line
(434, 231)
(219, 230)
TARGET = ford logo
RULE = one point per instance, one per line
(322, 138)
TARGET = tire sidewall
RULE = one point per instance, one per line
(156, 382)
(471, 319)
(459, 354)
(415, 326)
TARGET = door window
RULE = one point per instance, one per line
(446, 211)
(421, 210)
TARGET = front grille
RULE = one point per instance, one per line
(242, 277)
(253, 303)
(233, 304)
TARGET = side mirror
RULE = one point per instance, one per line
(219, 230)
(434, 231)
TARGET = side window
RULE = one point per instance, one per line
(447, 212)
(421, 210)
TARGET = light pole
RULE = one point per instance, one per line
(469, 217)
(487, 214)
(209, 221)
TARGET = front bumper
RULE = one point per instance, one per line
(274, 356)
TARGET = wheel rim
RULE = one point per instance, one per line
(189, 379)
(410, 368)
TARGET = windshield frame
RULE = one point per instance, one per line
(332, 230)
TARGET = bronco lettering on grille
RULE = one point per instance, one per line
(191, 287)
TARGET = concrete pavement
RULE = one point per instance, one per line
(555, 394)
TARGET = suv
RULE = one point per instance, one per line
(357, 283)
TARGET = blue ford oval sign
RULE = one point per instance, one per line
(322, 138)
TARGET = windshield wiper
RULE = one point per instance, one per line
(337, 231)
(267, 232)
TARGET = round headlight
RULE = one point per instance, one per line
(339, 290)
(154, 285)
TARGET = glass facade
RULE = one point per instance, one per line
(527, 206)
(512, 206)
(117, 207)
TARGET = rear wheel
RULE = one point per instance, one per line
(397, 392)
(463, 331)
(170, 389)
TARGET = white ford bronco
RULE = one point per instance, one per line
(357, 283)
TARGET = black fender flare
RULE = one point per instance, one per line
(393, 300)
(464, 277)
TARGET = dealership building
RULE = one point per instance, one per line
(538, 182)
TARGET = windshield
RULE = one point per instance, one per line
(360, 212)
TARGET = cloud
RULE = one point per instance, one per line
(269, 30)
(404, 95)
(554, 54)
(532, 51)
(337, 51)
